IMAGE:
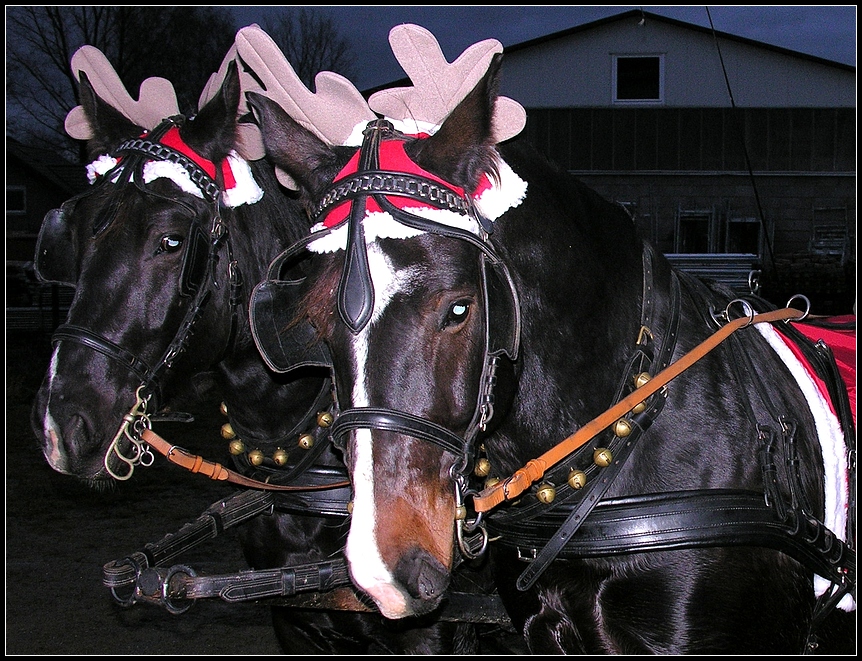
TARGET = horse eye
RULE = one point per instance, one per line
(457, 313)
(170, 243)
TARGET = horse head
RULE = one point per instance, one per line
(160, 251)
(408, 294)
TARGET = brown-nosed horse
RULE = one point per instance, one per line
(483, 329)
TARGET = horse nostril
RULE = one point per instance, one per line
(423, 575)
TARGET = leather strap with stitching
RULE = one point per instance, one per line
(534, 469)
(215, 471)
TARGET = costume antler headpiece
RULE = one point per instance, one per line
(157, 102)
(337, 112)
(438, 87)
(331, 113)
(156, 99)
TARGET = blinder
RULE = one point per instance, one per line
(195, 261)
(502, 309)
(285, 342)
(56, 248)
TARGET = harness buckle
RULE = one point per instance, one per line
(527, 555)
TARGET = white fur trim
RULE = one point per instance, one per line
(355, 137)
(173, 171)
(492, 204)
(246, 190)
(497, 200)
(412, 126)
(99, 167)
(832, 448)
(381, 225)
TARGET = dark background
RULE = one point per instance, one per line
(59, 535)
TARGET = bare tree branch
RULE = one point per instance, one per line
(311, 42)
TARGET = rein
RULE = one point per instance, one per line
(533, 470)
(215, 471)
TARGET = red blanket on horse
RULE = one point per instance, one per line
(839, 334)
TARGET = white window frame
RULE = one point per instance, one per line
(615, 57)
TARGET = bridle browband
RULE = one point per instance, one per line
(199, 265)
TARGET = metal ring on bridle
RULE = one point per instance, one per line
(166, 598)
(807, 306)
(131, 600)
(746, 308)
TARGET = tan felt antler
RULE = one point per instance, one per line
(438, 86)
(157, 97)
(331, 113)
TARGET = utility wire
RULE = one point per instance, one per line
(762, 220)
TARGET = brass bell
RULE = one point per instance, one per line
(223, 408)
(483, 467)
(602, 457)
(622, 428)
(255, 457)
(236, 447)
(279, 457)
(642, 379)
(639, 408)
(350, 507)
(324, 419)
(227, 431)
(306, 441)
(577, 479)
(491, 481)
(546, 493)
(460, 513)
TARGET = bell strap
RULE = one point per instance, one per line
(534, 469)
(215, 471)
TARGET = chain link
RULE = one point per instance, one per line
(392, 184)
(160, 152)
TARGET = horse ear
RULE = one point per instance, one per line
(213, 132)
(110, 126)
(462, 148)
(293, 148)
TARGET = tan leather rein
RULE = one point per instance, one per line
(534, 469)
(215, 471)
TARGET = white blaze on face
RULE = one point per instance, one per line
(55, 456)
(366, 565)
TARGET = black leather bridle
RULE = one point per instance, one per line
(356, 297)
(198, 270)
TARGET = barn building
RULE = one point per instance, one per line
(726, 151)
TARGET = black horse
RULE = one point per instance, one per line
(163, 263)
(467, 330)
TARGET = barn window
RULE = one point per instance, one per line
(638, 78)
(16, 200)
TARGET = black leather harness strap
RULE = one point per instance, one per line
(398, 422)
(104, 346)
(588, 497)
(688, 519)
